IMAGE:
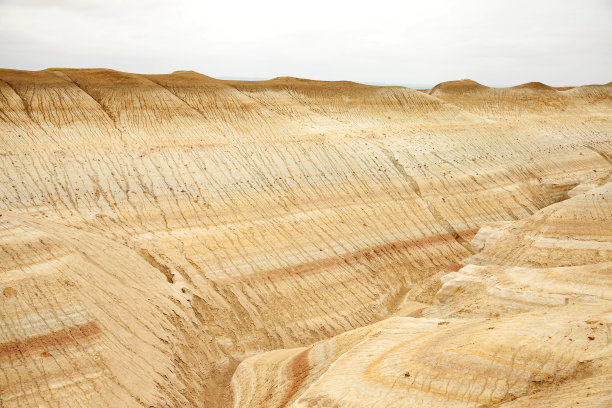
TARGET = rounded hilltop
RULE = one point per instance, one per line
(536, 86)
(460, 86)
(290, 79)
(189, 74)
(294, 82)
(468, 85)
(183, 78)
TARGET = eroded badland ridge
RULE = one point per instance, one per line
(178, 240)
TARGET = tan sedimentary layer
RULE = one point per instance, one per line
(558, 355)
(159, 229)
(497, 335)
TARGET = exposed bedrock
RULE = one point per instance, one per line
(158, 230)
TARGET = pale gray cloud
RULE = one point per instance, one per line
(413, 42)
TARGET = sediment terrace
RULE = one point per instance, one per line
(160, 234)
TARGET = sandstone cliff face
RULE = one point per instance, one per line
(157, 230)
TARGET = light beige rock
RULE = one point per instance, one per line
(204, 222)
(560, 255)
(419, 362)
(496, 335)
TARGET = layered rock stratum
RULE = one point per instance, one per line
(178, 240)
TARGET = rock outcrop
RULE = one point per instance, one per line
(161, 231)
(515, 330)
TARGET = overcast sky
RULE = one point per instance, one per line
(418, 43)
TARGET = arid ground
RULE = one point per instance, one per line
(178, 240)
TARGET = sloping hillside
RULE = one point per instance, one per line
(503, 336)
(157, 230)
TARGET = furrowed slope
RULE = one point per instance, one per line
(533, 99)
(353, 103)
(256, 216)
(510, 335)
(84, 320)
(558, 256)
